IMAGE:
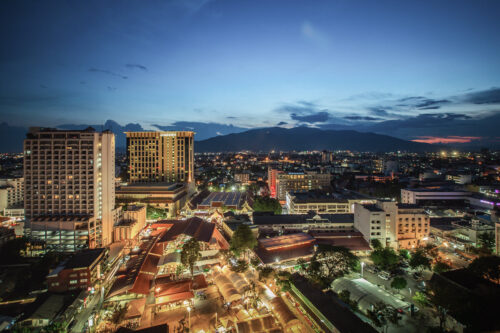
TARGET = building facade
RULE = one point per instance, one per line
(300, 181)
(370, 220)
(304, 202)
(165, 157)
(70, 187)
(11, 193)
(79, 272)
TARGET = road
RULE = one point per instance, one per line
(94, 301)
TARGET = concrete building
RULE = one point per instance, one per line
(370, 220)
(70, 187)
(171, 196)
(132, 221)
(296, 181)
(160, 157)
(272, 176)
(402, 226)
(316, 201)
(11, 193)
(79, 272)
(242, 177)
(432, 195)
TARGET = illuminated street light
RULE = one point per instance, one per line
(362, 265)
(189, 312)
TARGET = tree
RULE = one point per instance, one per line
(330, 263)
(441, 267)
(345, 296)
(190, 254)
(255, 261)
(240, 267)
(488, 267)
(405, 254)
(376, 244)
(119, 314)
(419, 260)
(421, 299)
(385, 258)
(56, 327)
(265, 272)
(283, 280)
(267, 204)
(487, 241)
(398, 283)
(243, 239)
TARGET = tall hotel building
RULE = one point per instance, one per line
(160, 157)
(70, 187)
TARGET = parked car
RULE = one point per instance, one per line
(384, 275)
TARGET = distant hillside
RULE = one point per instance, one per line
(305, 138)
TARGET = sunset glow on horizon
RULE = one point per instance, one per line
(448, 139)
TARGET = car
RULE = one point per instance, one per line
(417, 275)
(384, 275)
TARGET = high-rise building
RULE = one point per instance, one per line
(70, 187)
(160, 157)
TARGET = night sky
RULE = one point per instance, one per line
(327, 64)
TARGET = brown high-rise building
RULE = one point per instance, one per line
(160, 157)
(69, 192)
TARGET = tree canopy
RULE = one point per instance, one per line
(266, 204)
(441, 267)
(486, 241)
(190, 254)
(243, 239)
(398, 283)
(330, 263)
(419, 260)
(385, 258)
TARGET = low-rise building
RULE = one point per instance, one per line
(130, 224)
(432, 195)
(79, 272)
(171, 196)
(316, 201)
(304, 181)
(268, 223)
(11, 193)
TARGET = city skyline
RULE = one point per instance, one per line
(331, 65)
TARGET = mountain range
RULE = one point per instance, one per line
(306, 138)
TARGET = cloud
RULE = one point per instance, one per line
(105, 71)
(281, 123)
(420, 102)
(111, 88)
(137, 66)
(305, 112)
(361, 118)
(448, 139)
(312, 34)
(317, 117)
(490, 96)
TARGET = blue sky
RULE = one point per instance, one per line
(327, 64)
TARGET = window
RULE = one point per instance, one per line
(73, 281)
(83, 280)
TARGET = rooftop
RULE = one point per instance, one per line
(84, 258)
(372, 208)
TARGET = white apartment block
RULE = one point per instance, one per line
(11, 193)
(402, 226)
(370, 220)
(70, 187)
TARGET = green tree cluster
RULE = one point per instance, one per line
(190, 254)
(330, 263)
(243, 239)
(398, 283)
(419, 260)
(267, 204)
(384, 258)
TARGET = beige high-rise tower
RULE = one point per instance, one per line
(70, 187)
(160, 157)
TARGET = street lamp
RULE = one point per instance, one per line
(189, 323)
(362, 265)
